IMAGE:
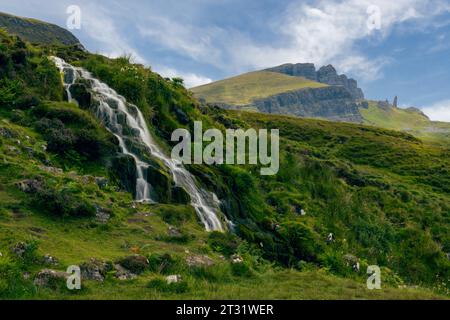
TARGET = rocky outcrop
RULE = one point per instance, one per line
(305, 70)
(333, 103)
(326, 74)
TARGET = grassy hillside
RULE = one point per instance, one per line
(383, 194)
(36, 31)
(408, 120)
(243, 89)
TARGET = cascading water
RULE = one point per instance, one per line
(110, 106)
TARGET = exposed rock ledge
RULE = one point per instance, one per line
(332, 103)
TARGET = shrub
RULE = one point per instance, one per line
(62, 203)
(225, 243)
(164, 264)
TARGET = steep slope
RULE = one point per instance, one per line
(410, 120)
(67, 192)
(36, 31)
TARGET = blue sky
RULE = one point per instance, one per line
(407, 54)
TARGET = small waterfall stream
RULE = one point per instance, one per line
(110, 106)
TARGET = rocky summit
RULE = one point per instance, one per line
(326, 74)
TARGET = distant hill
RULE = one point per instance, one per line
(411, 120)
(36, 31)
(243, 89)
(297, 90)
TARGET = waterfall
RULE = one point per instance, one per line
(110, 106)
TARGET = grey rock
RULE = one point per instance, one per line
(48, 259)
(199, 261)
(123, 274)
(305, 70)
(102, 214)
(19, 249)
(52, 170)
(175, 278)
(50, 278)
(101, 182)
(30, 185)
(95, 269)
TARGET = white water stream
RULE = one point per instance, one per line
(111, 106)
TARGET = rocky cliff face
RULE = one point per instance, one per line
(333, 103)
(326, 74)
(305, 70)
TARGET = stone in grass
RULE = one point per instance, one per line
(135, 263)
(50, 260)
(123, 274)
(236, 259)
(199, 261)
(19, 249)
(30, 185)
(50, 278)
(175, 278)
(95, 269)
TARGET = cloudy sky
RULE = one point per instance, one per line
(392, 48)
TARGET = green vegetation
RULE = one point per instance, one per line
(383, 194)
(408, 120)
(243, 89)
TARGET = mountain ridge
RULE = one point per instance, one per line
(38, 32)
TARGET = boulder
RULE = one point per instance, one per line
(102, 214)
(50, 278)
(30, 185)
(50, 260)
(52, 170)
(123, 274)
(199, 261)
(19, 249)
(101, 182)
(95, 270)
(176, 278)
(236, 259)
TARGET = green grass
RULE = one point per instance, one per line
(383, 194)
(36, 31)
(243, 89)
(409, 121)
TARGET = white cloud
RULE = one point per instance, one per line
(328, 32)
(190, 79)
(99, 25)
(318, 31)
(439, 111)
